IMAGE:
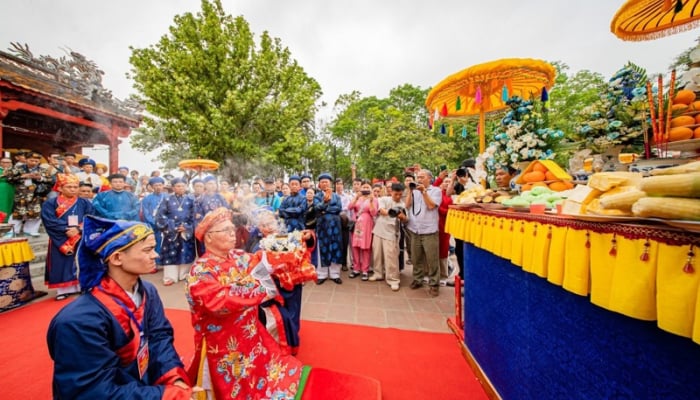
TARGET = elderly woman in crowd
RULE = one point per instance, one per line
(224, 289)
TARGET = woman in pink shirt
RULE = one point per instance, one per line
(365, 207)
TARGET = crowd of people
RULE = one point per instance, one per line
(105, 231)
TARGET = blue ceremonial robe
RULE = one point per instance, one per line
(206, 203)
(116, 205)
(60, 270)
(94, 341)
(178, 248)
(149, 207)
(329, 229)
(293, 210)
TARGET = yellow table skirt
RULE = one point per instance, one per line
(15, 251)
(638, 271)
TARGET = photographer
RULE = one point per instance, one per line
(364, 205)
(422, 204)
(385, 244)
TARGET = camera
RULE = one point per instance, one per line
(412, 185)
(395, 211)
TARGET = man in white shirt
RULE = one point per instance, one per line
(422, 203)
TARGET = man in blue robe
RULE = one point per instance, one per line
(175, 221)
(293, 208)
(62, 217)
(328, 206)
(114, 341)
(149, 208)
(117, 203)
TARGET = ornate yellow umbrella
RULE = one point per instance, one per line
(479, 89)
(198, 166)
(651, 19)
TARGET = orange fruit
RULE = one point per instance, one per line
(525, 187)
(533, 176)
(684, 97)
(679, 108)
(549, 176)
(683, 120)
(696, 133)
(679, 133)
(539, 167)
(558, 186)
(695, 106)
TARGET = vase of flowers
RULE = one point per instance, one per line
(617, 118)
(523, 135)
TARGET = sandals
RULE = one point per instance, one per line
(168, 282)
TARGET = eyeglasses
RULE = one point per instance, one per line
(228, 230)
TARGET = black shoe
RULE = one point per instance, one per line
(353, 274)
(338, 281)
(416, 285)
(365, 276)
(344, 268)
(450, 283)
(320, 281)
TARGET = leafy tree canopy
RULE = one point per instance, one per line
(212, 91)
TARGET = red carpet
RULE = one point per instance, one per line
(408, 364)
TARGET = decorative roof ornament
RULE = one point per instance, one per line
(75, 71)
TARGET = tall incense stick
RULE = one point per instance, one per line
(671, 91)
(652, 114)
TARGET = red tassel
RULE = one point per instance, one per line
(613, 249)
(645, 254)
(688, 267)
(588, 240)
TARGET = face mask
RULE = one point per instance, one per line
(366, 192)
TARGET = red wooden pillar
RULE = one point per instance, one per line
(3, 114)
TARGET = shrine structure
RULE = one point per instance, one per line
(58, 104)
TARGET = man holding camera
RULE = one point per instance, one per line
(422, 204)
(385, 245)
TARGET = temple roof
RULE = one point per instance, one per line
(72, 79)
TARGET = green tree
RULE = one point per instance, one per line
(570, 94)
(383, 136)
(212, 91)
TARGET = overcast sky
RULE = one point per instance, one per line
(367, 45)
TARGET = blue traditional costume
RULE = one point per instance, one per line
(208, 202)
(329, 232)
(110, 343)
(58, 215)
(178, 250)
(149, 208)
(114, 204)
(293, 210)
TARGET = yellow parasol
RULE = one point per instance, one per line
(198, 165)
(479, 89)
(651, 19)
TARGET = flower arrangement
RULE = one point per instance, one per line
(523, 135)
(617, 117)
(290, 242)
